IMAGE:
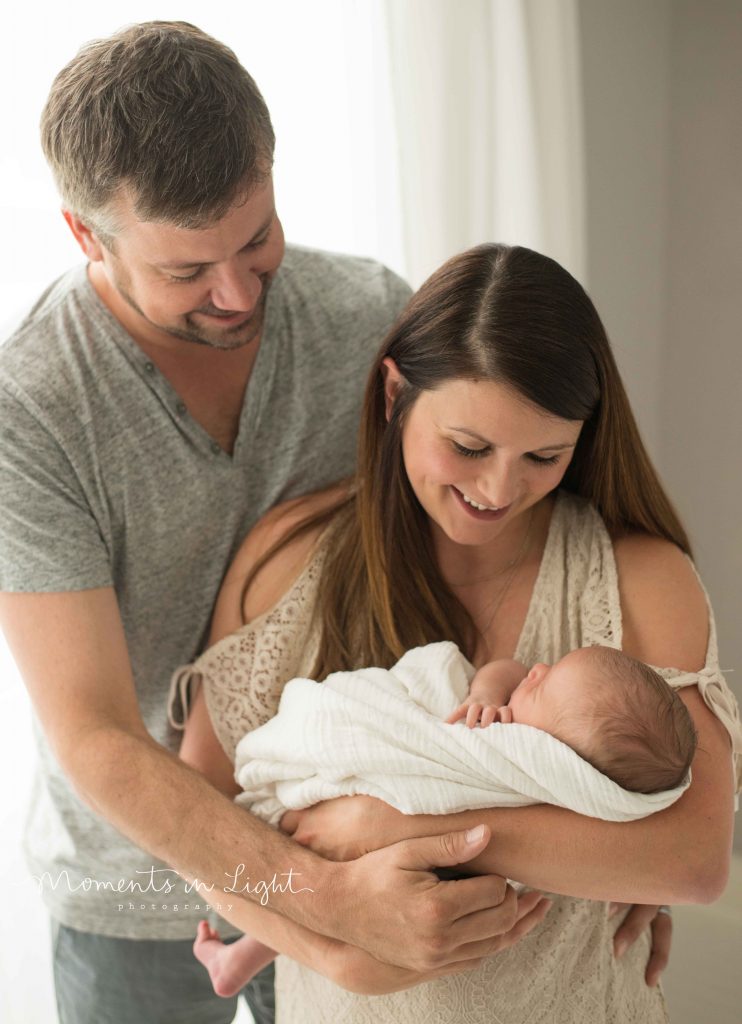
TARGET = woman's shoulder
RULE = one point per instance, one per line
(279, 572)
(664, 605)
(651, 583)
(638, 556)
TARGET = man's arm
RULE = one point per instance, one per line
(71, 651)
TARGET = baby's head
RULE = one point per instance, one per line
(616, 712)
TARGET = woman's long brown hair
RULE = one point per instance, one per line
(497, 313)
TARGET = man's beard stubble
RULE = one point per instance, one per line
(228, 340)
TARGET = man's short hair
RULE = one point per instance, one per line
(163, 111)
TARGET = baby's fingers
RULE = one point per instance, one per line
(473, 715)
(489, 714)
(458, 714)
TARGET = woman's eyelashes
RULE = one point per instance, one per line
(478, 453)
(471, 453)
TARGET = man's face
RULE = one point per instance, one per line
(205, 285)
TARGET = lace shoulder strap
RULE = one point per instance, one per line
(575, 601)
(244, 673)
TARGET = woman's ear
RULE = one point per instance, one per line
(393, 380)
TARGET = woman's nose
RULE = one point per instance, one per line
(498, 486)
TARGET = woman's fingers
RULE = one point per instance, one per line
(639, 918)
(661, 943)
(635, 922)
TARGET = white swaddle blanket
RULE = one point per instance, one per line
(382, 732)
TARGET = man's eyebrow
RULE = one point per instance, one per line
(181, 265)
(546, 447)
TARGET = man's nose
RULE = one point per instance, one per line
(236, 290)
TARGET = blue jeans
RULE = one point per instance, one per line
(101, 980)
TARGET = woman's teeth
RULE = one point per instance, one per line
(475, 504)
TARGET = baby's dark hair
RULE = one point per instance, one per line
(642, 735)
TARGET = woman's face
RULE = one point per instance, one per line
(478, 455)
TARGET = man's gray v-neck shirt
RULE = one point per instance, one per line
(106, 480)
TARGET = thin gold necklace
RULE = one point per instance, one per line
(504, 568)
(514, 566)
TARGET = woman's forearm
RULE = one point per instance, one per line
(679, 855)
(555, 850)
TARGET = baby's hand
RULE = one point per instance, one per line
(482, 714)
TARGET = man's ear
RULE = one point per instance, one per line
(393, 380)
(86, 238)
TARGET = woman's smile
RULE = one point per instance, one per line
(477, 511)
(477, 455)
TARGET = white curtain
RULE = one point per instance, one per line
(407, 130)
(489, 127)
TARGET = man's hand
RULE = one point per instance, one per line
(391, 904)
(359, 972)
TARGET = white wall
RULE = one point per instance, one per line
(663, 138)
(700, 403)
(625, 59)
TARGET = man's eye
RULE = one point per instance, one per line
(256, 243)
(190, 277)
(470, 453)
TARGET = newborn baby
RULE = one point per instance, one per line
(618, 714)
(615, 711)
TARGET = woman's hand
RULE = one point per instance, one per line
(632, 926)
(347, 827)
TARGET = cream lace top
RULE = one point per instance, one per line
(564, 970)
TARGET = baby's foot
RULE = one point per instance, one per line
(217, 959)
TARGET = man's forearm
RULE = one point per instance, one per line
(390, 905)
(171, 811)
